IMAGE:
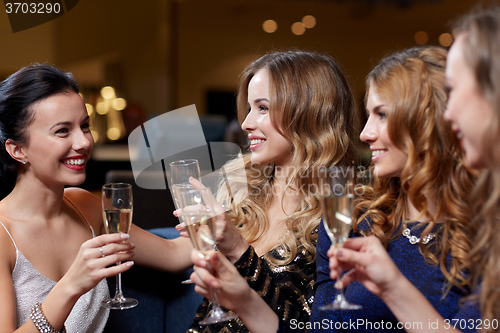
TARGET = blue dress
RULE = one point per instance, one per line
(375, 316)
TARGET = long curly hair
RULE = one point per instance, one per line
(412, 84)
(481, 32)
(312, 106)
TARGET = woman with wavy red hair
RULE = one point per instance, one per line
(472, 76)
(417, 205)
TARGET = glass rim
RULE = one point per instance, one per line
(116, 186)
(188, 161)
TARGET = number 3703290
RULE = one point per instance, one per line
(32, 8)
(471, 324)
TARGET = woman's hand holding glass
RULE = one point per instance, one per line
(337, 189)
(180, 173)
(95, 261)
(233, 291)
(117, 209)
(366, 261)
(197, 207)
(227, 237)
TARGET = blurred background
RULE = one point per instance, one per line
(135, 60)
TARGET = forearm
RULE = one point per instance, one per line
(411, 307)
(58, 304)
(171, 255)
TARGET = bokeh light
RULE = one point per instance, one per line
(113, 133)
(102, 108)
(309, 21)
(108, 92)
(298, 28)
(90, 108)
(270, 26)
(445, 39)
(119, 104)
(421, 37)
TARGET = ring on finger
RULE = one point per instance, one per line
(102, 253)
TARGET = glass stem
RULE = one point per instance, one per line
(118, 291)
(339, 278)
(216, 307)
(339, 271)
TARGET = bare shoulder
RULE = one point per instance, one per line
(88, 204)
(7, 264)
(79, 194)
(7, 294)
(7, 250)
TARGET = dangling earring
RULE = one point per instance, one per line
(24, 162)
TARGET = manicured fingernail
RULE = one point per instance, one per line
(130, 263)
(125, 236)
(191, 177)
(201, 255)
(338, 285)
(132, 245)
(339, 254)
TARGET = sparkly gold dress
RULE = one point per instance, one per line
(287, 289)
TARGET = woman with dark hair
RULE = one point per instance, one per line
(298, 110)
(54, 253)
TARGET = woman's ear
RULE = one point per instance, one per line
(16, 151)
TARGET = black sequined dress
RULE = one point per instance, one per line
(288, 289)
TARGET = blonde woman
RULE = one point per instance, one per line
(299, 113)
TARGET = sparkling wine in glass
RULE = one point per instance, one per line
(180, 172)
(198, 210)
(337, 206)
(117, 207)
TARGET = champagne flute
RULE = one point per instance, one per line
(180, 172)
(198, 210)
(117, 211)
(337, 206)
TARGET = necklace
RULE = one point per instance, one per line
(414, 239)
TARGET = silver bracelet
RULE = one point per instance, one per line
(41, 323)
